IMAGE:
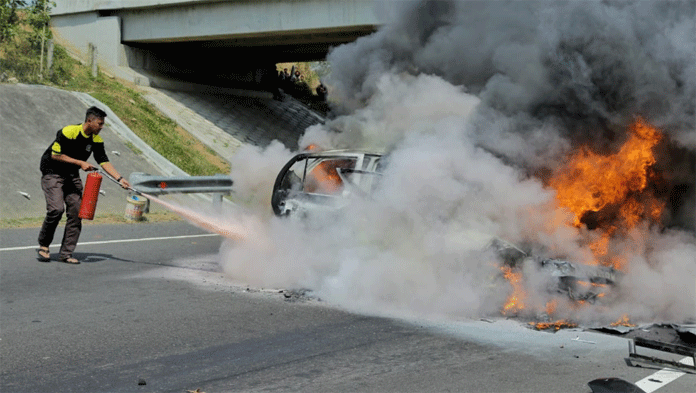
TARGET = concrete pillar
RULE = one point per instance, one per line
(49, 58)
(92, 56)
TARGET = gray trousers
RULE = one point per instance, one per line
(63, 195)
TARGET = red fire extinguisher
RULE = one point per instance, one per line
(90, 195)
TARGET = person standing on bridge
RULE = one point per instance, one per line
(61, 183)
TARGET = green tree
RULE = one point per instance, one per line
(25, 33)
(9, 20)
(38, 16)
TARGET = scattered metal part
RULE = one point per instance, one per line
(619, 329)
(116, 152)
(664, 347)
(687, 333)
(24, 194)
(578, 339)
(102, 192)
(595, 274)
(295, 295)
(613, 385)
(579, 282)
(509, 254)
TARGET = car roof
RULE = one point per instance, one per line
(342, 152)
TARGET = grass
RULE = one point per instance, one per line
(161, 133)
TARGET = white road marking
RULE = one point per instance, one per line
(147, 239)
(661, 378)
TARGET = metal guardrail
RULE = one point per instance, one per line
(158, 185)
(218, 185)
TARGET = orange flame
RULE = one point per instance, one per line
(609, 193)
(591, 284)
(555, 325)
(324, 178)
(623, 321)
(515, 302)
(614, 186)
(312, 147)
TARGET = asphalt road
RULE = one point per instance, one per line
(149, 311)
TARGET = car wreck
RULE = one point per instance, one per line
(324, 182)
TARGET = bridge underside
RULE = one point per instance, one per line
(227, 59)
(201, 41)
(242, 62)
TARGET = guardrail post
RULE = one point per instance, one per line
(217, 201)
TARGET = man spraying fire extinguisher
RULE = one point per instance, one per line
(61, 183)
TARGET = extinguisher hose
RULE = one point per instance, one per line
(117, 182)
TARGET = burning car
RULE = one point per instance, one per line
(608, 195)
(327, 181)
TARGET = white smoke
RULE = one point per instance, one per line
(253, 171)
(468, 99)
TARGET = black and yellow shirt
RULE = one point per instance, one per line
(74, 143)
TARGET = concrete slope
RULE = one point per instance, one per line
(224, 121)
(30, 116)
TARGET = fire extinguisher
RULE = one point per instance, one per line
(90, 195)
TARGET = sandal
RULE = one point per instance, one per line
(69, 259)
(43, 254)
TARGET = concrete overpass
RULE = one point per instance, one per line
(229, 43)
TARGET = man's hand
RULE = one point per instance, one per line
(124, 183)
(84, 165)
(87, 167)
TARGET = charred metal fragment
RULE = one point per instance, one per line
(508, 253)
(663, 347)
(618, 329)
(687, 333)
(613, 385)
(579, 282)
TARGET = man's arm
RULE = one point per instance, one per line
(109, 168)
(84, 165)
(103, 160)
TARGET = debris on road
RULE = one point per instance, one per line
(613, 385)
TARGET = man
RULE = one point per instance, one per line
(322, 91)
(61, 183)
